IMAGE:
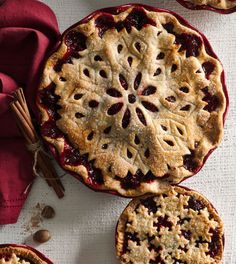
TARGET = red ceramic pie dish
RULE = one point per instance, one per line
(70, 127)
(19, 253)
(191, 5)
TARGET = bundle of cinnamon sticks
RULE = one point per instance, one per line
(42, 161)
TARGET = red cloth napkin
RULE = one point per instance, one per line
(28, 33)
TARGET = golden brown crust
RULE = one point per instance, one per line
(168, 117)
(20, 255)
(174, 232)
(219, 4)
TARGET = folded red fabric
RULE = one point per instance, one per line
(28, 33)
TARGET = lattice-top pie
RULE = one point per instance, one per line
(16, 254)
(132, 99)
(221, 6)
(178, 226)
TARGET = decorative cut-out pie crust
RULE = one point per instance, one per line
(19, 254)
(220, 6)
(133, 99)
(178, 226)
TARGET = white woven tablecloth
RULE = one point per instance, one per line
(84, 226)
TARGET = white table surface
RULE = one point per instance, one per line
(83, 229)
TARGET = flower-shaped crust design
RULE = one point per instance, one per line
(226, 6)
(132, 101)
(178, 226)
(17, 254)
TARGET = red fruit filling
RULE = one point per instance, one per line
(49, 100)
(126, 120)
(75, 42)
(208, 67)
(212, 101)
(150, 204)
(189, 163)
(195, 204)
(72, 157)
(214, 244)
(7, 257)
(137, 18)
(131, 98)
(162, 221)
(130, 236)
(50, 130)
(149, 90)
(189, 43)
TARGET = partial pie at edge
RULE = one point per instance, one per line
(21, 254)
(219, 6)
(133, 99)
(177, 226)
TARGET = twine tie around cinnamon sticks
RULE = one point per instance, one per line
(33, 143)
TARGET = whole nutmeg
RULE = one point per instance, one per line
(42, 236)
(48, 212)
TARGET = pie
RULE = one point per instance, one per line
(132, 100)
(16, 254)
(221, 6)
(177, 226)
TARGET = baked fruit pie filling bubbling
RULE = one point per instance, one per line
(177, 226)
(133, 99)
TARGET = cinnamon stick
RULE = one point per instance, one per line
(25, 124)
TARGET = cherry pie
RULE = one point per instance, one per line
(178, 226)
(220, 6)
(133, 99)
(16, 254)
